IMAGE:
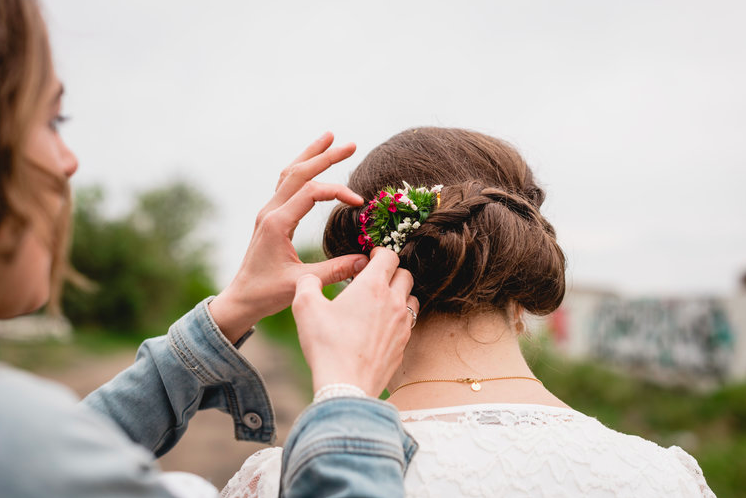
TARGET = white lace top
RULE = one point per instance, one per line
(516, 450)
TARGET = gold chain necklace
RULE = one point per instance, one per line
(475, 383)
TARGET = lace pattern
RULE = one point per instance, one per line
(259, 476)
(692, 466)
(517, 451)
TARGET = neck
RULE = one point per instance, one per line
(477, 346)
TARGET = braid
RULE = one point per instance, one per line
(486, 245)
(473, 198)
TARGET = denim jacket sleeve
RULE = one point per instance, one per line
(346, 447)
(51, 445)
(193, 367)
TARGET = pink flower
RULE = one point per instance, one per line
(397, 197)
(365, 241)
(365, 214)
(383, 195)
(392, 207)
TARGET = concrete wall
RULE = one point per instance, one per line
(689, 341)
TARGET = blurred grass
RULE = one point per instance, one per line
(52, 355)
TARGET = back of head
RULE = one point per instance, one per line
(487, 245)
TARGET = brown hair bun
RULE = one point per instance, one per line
(486, 245)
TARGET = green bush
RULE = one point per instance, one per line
(147, 266)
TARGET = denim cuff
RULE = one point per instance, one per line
(347, 426)
(238, 387)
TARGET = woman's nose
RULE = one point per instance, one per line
(69, 161)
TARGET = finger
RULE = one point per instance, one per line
(297, 175)
(383, 264)
(401, 282)
(289, 214)
(307, 293)
(337, 269)
(317, 147)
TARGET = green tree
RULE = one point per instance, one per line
(147, 265)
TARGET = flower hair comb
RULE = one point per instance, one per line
(392, 215)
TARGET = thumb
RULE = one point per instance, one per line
(337, 269)
(307, 293)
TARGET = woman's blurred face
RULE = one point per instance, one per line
(44, 146)
(25, 279)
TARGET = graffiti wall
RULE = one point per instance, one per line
(686, 336)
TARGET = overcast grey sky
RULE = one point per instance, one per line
(633, 114)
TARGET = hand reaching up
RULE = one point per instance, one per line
(265, 282)
(359, 337)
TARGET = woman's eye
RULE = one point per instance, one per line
(57, 121)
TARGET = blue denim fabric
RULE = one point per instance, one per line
(346, 447)
(53, 445)
(192, 368)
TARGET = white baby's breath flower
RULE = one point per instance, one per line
(389, 246)
(405, 190)
(407, 220)
(386, 239)
(416, 225)
(436, 189)
(413, 206)
(397, 248)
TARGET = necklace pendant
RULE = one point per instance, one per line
(476, 386)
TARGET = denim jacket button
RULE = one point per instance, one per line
(252, 420)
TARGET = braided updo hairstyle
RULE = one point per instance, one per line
(487, 245)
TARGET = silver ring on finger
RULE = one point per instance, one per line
(414, 316)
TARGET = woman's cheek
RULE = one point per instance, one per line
(28, 274)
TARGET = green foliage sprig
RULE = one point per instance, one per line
(393, 214)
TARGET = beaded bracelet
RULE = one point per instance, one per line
(337, 391)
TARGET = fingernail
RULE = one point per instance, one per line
(360, 264)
